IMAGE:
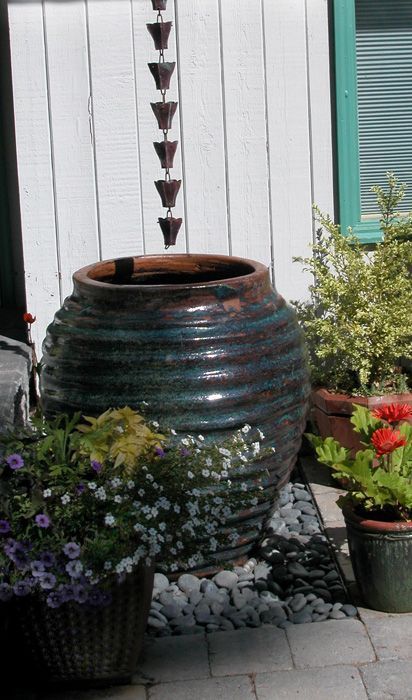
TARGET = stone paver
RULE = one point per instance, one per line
(234, 688)
(130, 692)
(175, 659)
(329, 643)
(249, 651)
(388, 680)
(391, 635)
(326, 502)
(333, 683)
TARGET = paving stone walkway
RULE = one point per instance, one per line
(353, 659)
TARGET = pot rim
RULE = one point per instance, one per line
(162, 262)
(375, 525)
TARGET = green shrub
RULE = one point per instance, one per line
(358, 321)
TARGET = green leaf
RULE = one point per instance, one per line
(364, 422)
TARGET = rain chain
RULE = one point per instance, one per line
(164, 111)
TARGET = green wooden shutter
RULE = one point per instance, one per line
(384, 91)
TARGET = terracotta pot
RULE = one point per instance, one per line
(381, 555)
(332, 413)
(204, 339)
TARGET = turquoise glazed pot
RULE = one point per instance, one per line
(381, 555)
(205, 340)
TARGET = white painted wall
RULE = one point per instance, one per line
(254, 131)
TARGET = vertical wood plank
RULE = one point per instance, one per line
(245, 113)
(69, 99)
(320, 104)
(201, 108)
(114, 117)
(144, 52)
(34, 163)
(289, 143)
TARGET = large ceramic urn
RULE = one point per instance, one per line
(205, 340)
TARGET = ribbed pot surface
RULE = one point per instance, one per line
(205, 340)
(381, 555)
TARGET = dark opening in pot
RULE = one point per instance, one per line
(159, 271)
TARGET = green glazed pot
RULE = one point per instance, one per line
(381, 554)
(204, 340)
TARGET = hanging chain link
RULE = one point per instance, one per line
(169, 219)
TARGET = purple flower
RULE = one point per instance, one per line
(74, 568)
(54, 599)
(37, 568)
(16, 551)
(71, 550)
(48, 559)
(15, 461)
(4, 527)
(22, 588)
(159, 451)
(47, 581)
(80, 593)
(96, 466)
(66, 592)
(6, 592)
(184, 452)
(80, 488)
(42, 520)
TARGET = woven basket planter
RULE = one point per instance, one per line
(81, 643)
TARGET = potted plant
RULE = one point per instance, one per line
(85, 509)
(378, 505)
(358, 320)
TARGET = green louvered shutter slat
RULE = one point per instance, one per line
(384, 83)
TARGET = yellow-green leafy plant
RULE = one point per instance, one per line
(358, 321)
(120, 435)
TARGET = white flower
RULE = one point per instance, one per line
(176, 508)
(201, 438)
(92, 486)
(107, 565)
(47, 493)
(190, 475)
(115, 482)
(224, 473)
(262, 437)
(65, 499)
(130, 484)
(173, 432)
(243, 486)
(185, 442)
(141, 492)
(149, 477)
(223, 451)
(100, 494)
(118, 499)
(109, 520)
(162, 526)
(209, 462)
(246, 428)
(256, 448)
(205, 473)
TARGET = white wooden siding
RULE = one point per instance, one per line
(253, 124)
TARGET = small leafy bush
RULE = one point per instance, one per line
(358, 322)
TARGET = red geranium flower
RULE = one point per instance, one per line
(393, 412)
(29, 318)
(386, 440)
